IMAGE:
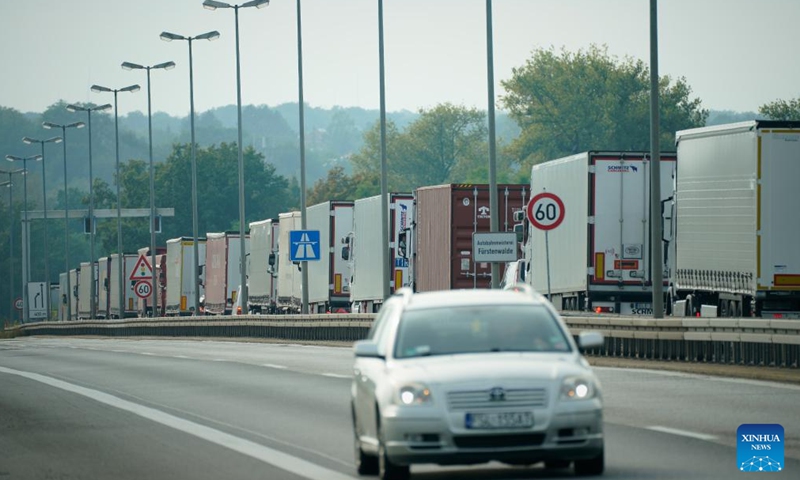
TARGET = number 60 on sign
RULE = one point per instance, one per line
(545, 211)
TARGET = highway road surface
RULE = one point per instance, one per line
(168, 409)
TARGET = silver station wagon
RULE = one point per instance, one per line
(472, 376)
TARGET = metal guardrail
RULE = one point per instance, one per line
(726, 341)
(760, 342)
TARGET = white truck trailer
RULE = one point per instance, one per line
(262, 281)
(181, 293)
(74, 282)
(737, 221)
(363, 250)
(129, 261)
(329, 283)
(104, 284)
(63, 295)
(85, 291)
(223, 271)
(290, 281)
(600, 253)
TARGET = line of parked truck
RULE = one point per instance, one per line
(430, 248)
(729, 214)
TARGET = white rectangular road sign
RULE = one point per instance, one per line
(494, 247)
(37, 300)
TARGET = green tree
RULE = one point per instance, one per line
(367, 161)
(781, 109)
(567, 103)
(336, 186)
(266, 193)
(444, 144)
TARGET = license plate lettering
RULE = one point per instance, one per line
(480, 421)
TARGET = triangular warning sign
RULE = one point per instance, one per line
(142, 270)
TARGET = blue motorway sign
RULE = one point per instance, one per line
(303, 245)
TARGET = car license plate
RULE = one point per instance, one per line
(479, 421)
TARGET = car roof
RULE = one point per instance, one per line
(480, 296)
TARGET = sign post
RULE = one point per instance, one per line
(545, 211)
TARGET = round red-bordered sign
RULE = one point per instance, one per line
(142, 289)
(18, 303)
(545, 211)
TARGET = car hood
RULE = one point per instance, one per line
(495, 366)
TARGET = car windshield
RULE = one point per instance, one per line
(478, 329)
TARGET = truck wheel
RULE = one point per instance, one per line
(689, 306)
(668, 306)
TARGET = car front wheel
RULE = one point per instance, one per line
(365, 464)
(386, 469)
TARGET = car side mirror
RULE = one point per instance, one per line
(271, 260)
(366, 349)
(589, 340)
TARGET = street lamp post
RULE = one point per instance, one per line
(10, 185)
(168, 37)
(165, 66)
(26, 261)
(31, 141)
(385, 257)
(11, 244)
(302, 128)
(64, 128)
(92, 259)
(494, 208)
(129, 88)
(213, 5)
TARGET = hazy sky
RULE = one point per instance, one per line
(735, 54)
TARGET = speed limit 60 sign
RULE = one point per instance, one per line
(142, 289)
(545, 211)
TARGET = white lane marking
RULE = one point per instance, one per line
(284, 461)
(335, 375)
(180, 356)
(147, 353)
(272, 365)
(219, 360)
(683, 433)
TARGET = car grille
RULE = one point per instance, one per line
(498, 441)
(478, 399)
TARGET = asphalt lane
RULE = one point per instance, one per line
(46, 433)
(294, 400)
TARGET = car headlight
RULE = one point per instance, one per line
(577, 388)
(414, 394)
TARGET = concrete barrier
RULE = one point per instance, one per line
(734, 341)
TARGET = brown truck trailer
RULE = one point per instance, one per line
(445, 218)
